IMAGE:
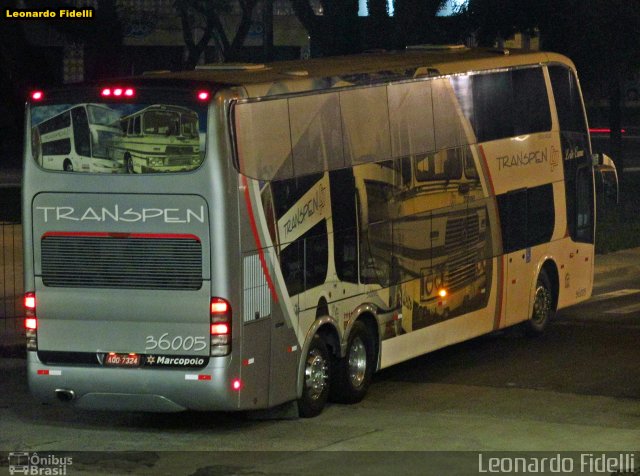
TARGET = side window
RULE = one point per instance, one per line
(345, 230)
(81, 134)
(137, 129)
(442, 165)
(531, 112)
(492, 106)
(504, 104)
(567, 97)
(513, 219)
(576, 154)
(584, 219)
(57, 147)
(304, 262)
(527, 217)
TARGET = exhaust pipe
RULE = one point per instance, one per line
(65, 395)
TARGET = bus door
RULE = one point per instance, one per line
(270, 348)
(517, 257)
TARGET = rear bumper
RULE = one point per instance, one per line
(139, 389)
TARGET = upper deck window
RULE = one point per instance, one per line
(505, 103)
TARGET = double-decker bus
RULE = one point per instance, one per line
(76, 139)
(345, 214)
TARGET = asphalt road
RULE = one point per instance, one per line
(575, 389)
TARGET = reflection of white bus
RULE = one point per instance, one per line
(339, 222)
(159, 138)
(77, 139)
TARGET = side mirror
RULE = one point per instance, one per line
(606, 177)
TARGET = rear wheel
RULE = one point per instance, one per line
(317, 373)
(543, 305)
(352, 374)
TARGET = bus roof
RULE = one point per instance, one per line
(320, 73)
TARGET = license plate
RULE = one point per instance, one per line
(122, 360)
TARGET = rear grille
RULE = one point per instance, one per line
(122, 262)
(178, 161)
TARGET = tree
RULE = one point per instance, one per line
(416, 21)
(599, 36)
(24, 66)
(205, 16)
(335, 32)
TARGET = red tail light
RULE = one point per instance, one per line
(37, 95)
(219, 329)
(31, 320)
(220, 312)
(203, 95)
(30, 302)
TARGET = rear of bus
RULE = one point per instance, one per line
(129, 276)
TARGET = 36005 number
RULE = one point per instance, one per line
(165, 342)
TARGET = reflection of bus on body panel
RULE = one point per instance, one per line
(327, 228)
(77, 139)
(159, 138)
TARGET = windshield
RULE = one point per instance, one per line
(118, 138)
(102, 115)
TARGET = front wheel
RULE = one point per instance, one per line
(543, 305)
(128, 161)
(317, 373)
(352, 374)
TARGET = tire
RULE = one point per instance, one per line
(317, 377)
(67, 166)
(128, 163)
(543, 306)
(352, 374)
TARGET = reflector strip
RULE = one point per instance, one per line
(250, 361)
(49, 372)
(159, 236)
(197, 377)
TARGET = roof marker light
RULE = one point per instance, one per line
(37, 95)
(105, 92)
(129, 92)
(117, 92)
(203, 95)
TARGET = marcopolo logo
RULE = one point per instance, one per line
(175, 361)
(38, 464)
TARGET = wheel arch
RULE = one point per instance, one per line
(369, 320)
(549, 266)
(327, 328)
(367, 314)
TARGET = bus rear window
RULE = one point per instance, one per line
(118, 138)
